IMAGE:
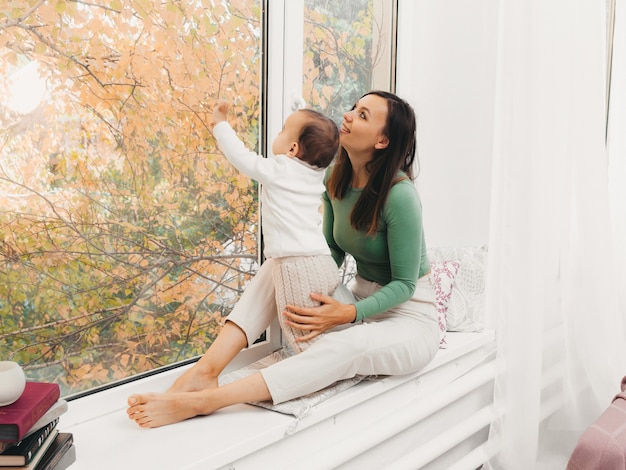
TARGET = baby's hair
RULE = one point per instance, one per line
(319, 139)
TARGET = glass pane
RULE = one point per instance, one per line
(348, 50)
(126, 236)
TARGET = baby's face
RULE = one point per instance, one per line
(286, 142)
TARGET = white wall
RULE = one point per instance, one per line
(446, 70)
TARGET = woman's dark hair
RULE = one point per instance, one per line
(318, 140)
(384, 168)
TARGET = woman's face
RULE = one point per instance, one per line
(362, 127)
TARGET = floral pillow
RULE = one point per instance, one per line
(466, 308)
(443, 274)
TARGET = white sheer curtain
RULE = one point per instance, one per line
(617, 142)
(552, 289)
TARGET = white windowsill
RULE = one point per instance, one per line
(106, 439)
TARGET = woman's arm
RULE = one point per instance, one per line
(405, 246)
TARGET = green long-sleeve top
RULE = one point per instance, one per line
(395, 258)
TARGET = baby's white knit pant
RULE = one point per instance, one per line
(295, 277)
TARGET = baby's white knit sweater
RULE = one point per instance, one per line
(290, 197)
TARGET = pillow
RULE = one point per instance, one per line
(443, 274)
(466, 307)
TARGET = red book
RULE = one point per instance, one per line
(17, 418)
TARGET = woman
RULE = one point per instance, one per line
(373, 212)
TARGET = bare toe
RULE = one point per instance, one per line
(158, 409)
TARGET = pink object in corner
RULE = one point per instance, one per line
(603, 445)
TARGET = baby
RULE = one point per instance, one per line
(298, 259)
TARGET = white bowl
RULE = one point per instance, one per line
(12, 382)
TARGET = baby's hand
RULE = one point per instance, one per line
(219, 113)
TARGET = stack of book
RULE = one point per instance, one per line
(29, 437)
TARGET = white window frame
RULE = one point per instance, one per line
(284, 71)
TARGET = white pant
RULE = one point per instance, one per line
(399, 341)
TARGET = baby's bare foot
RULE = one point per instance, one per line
(192, 380)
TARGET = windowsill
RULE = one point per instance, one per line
(106, 438)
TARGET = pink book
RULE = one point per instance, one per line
(17, 418)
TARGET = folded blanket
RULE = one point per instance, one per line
(298, 407)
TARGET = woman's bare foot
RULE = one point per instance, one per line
(193, 380)
(151, 410)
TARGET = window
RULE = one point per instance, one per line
(126, 237)
(348, 51)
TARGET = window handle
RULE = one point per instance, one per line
(297, 102)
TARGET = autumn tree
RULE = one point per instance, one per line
(126, 237)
